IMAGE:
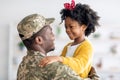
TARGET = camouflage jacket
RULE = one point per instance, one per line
(30, 70)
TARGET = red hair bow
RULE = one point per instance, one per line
(70, 6)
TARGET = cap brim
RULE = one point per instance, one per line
(50, 20)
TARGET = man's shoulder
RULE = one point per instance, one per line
(55, 65)
(29, 70)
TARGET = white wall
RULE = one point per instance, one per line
(12, 11)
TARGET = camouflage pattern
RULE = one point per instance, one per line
(30, 70)
(32, 24)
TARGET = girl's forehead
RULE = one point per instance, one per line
(69, 20)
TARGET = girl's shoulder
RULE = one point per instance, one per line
(86, 43)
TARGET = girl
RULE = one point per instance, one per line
(80, 21)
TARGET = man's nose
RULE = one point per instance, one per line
(53, 36)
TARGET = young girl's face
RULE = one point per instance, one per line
(74, 29)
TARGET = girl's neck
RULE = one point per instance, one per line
(78, 41)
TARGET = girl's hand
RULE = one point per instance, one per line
(49, 59)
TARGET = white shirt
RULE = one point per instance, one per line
(71, 50)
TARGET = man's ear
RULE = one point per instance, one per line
(39, 40)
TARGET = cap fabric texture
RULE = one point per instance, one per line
(32, 24)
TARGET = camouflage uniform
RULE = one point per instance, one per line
(30, 70)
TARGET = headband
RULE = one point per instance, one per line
(70, 6)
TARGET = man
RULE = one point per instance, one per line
(36, 34)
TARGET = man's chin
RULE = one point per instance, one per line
(52, 49)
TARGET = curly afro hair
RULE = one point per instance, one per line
(83, 14)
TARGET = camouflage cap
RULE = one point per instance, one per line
(31, 24)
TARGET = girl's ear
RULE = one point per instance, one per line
(84, 27)
(38, 40)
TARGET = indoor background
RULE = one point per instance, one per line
(106, 40)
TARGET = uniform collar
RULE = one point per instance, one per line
(32, 52)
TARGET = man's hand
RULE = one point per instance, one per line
(49, 59)
(93, 75)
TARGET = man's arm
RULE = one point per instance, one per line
(62, 72)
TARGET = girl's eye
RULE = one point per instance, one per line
(71, 26)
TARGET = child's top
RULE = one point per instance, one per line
(71, 49)
(81, 61)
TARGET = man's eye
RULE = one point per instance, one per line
(65, 27)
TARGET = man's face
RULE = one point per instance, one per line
(48, 39)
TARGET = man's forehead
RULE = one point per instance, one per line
(45, 28)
